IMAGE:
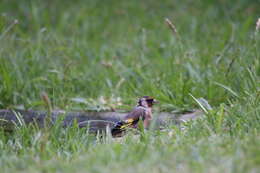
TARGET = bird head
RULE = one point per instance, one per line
(147, 101)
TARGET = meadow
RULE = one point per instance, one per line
(102, 55)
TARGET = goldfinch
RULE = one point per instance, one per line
(142, 111)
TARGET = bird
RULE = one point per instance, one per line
(142, 111)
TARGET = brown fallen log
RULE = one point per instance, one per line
(93, 120)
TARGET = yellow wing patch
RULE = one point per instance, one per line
(128, 122)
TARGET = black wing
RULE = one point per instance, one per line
(130, 120)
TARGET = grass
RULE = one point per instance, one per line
(85, 53)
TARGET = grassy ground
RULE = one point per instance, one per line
(86, 53)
